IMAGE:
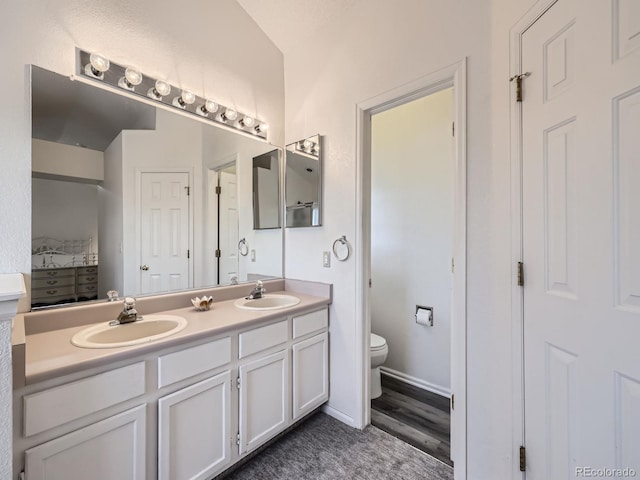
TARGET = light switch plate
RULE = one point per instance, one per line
(326, 259)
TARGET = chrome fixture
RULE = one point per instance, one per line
(342, 244)
(99, 68)
(112, 295)
(257, 292)
(128, 314)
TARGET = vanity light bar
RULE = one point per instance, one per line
(99, 68)
(308, 146)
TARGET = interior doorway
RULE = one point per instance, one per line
(452, 79)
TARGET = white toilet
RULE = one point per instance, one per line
(379, 351)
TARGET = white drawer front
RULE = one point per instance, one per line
(310, 322)
(59, 405)
(193, 361)
(262, 338)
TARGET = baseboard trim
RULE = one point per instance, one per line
(338, 415)
(416, 382)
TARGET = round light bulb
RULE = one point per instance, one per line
(187, 97)
(261, 127)
(308, 144)
(210, 106)
(247, 121)
(230, 114)
(133, 76)
(99, 62)
(163, 88)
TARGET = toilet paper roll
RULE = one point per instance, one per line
(424, 316)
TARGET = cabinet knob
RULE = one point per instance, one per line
(144, 267)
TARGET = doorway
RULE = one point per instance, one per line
(411, 250)
(454, 79)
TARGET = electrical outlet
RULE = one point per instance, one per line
(253, 255)
(326, 260)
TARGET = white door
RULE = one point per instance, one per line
(228, 227)
(581, 238)
(164, 232)
(310, 374)
(110, 449)
(194, 430)
(264, 399)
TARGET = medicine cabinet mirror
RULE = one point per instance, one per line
(136, 198)
(303, 183)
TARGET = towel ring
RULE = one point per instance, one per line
(342, 241)
(243, 247)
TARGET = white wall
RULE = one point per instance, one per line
(246, 73)
(65, 210)
(412, 235)
(66, 160)
(375, 47)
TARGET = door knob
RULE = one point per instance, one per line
(144, 267)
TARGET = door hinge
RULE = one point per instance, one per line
(218, 190)
(370, 283)
(523, 459)
(238, 385)
(453, 265)
(520, 274)
(238, 439)
(188, 253)
(453, 401)
(518, 79)
(188, 189)
(453, 129)
(218, 253)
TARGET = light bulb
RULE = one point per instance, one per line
(97, 65)
(262, 127)
(247, 121)
(308, 145)
(161, 89)
(185, 98)
(209, 107)
(132, 77)
(229, 114)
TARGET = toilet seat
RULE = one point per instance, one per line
(377, 342)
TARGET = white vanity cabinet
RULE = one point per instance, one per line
(194, 430)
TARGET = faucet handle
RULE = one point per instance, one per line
(112, 295)
(129, 302)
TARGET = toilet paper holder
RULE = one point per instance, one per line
(421, 309)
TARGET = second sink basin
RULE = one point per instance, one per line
(150, 328)
(268, 302)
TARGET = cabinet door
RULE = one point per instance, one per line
(112, 448)
(310, 374)
(194, 440)
(264, 399)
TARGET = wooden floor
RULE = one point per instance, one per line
(416, 416)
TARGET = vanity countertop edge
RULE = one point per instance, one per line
(50, 354)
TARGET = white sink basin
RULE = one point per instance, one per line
(149, 329)
(268, 302)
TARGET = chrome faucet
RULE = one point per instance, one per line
(128, 314)
(258, 291)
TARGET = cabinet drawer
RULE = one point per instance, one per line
(47, 283)
(262, 338)
(186, 363)
(91, 289)
(87, 279)
(47, 293)
(310, 322)
(53, 272)
(92, 270)
(59, 405)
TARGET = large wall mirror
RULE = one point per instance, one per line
(303, 183)
(139, 199)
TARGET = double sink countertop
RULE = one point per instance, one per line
(42, 348)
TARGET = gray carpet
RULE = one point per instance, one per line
(322, 448)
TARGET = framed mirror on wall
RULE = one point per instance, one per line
(303, 183)
(136, 198)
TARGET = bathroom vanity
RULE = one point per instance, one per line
(187, 406)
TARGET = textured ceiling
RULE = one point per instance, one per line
(287, 22)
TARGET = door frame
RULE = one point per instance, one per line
(139, 172)
(516, 215)
(451, 76)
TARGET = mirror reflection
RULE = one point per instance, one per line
(138, 199)
(303, 183)
(266, 191)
